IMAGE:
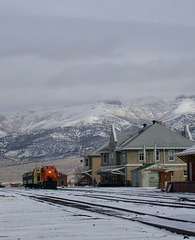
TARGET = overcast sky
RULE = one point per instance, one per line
(63, 52)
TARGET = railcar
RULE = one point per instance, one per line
(44, 177)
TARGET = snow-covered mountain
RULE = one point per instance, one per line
(63, 132)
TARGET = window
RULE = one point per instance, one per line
(170, 157)
(185, 173)
(86, 162)
(141, 155)
(157, 155)
(172, 173)
(105, 158)
(124, 157)
(105, 178)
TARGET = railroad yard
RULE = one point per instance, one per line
(96, 213)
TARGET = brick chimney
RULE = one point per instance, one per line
(158, 122)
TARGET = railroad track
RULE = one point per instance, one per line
(162, 200)
(108, 201)
(149, 202)
(179, 226)
(158, 195)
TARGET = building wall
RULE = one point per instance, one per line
(96, 162)
(140, 179)
(62, 177)
(133, 162)
(133, 157)
(178, 175)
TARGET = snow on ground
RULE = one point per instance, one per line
(25, 219)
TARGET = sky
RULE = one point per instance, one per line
(64, 52)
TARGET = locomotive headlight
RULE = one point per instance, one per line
(49, 171)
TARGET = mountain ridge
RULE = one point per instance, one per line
(65, 132)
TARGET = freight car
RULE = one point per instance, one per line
(44, 177)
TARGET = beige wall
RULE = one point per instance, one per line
(96, 162)
(128, 173)
(132, 158)
(179, 175)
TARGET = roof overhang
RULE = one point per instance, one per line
(187, 155)
(150, 148)
(87, 172)
(115, 171)
(164, 169)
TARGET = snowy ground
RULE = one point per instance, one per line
(22, 218)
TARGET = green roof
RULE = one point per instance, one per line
(144, 166)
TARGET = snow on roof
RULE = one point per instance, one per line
(187, 155)
(190, 150)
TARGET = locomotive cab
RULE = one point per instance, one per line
(49, 176)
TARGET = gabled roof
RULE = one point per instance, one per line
(102, 148)
(123, 137)
(159, 135)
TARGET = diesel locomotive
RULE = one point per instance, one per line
(44, 177)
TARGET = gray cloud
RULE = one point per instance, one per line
(68, 52)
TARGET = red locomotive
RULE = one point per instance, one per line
(44, 177)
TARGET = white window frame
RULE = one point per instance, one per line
(141, 155)
(185, 173)
(171, 158)
(157, 155)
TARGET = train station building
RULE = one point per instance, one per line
(144, 152)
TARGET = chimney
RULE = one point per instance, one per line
(159, 122)
(187, 132)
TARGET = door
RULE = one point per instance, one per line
(153, 179)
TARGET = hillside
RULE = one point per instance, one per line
(66, 131)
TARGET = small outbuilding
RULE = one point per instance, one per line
(164, 176)
(62, 179)
(151, 175)
(143, 177)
